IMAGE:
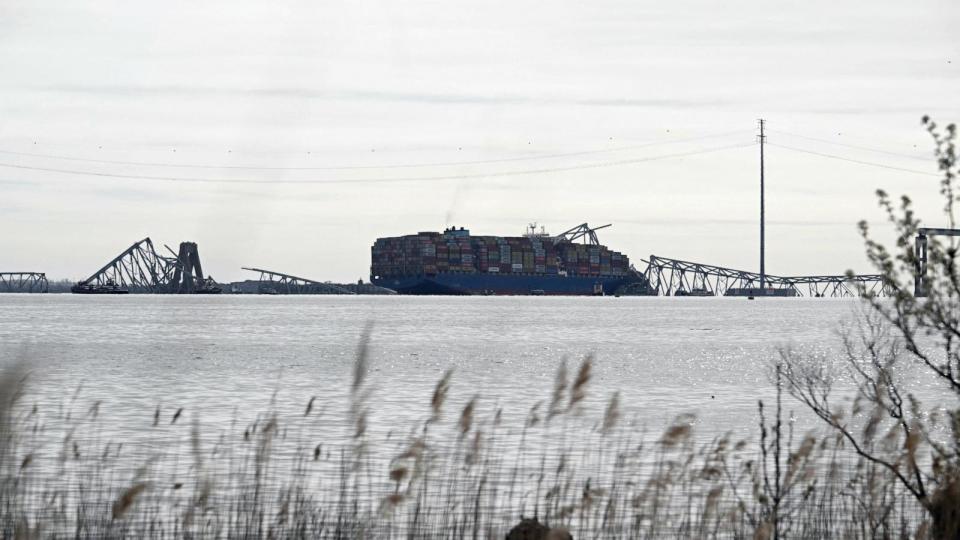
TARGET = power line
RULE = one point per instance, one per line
(519, 172)
(851, 160)
(367, 167)
(866, 148)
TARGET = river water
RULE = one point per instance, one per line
(216, 354)
(109, 377)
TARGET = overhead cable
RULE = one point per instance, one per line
(595, 165)
(851, 160)
(363, 167)
(856, 147)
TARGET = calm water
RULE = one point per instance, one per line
(231, 362)
(215, 355)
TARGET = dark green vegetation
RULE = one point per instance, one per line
(882, 465)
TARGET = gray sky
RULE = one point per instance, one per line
(623, 85)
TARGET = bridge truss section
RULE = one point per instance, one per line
(836, 286)
(140, 269)
(583, 233)
(673, 277)
(279, 283)
(23, 282)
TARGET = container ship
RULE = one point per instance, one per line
(456, 263)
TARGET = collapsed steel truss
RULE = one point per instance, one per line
(23, 282)
(139, 268)
(581, 232)
(672, 277)
(280, 283)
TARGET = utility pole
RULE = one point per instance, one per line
(763, 275)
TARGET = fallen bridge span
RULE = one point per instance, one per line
(674, 277)
(272, 282)
(140, 269)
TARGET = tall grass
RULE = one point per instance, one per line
(456, 474)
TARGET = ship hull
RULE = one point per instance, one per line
(93, 290)
(503, 284)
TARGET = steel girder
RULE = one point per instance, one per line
(141, 269)
(23, 282)
(668, 276)
(581, 232)
(138, 268)
(287, 284)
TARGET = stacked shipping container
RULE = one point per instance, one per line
(455, 251)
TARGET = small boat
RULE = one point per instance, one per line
(208, 286)
(266, 289)
(110, 287)
(208, 290)
(694, 292)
